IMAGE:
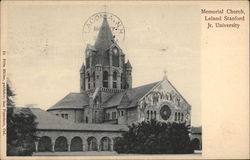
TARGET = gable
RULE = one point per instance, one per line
(164, 91)
(124, 102)
(128, 98)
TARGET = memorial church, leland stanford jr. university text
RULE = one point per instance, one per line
(107, 102)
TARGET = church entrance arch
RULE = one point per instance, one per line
(61, 144)
(105, 79)
(196, 144)
(45, 144)
(92, 144)
(76, 144)
(105, 144)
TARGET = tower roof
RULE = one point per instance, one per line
(128, 65)
(82, 68)
(105, 37)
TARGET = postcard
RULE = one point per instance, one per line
(124, 79)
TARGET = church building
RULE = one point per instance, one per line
(107, 102)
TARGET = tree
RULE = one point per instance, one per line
(179, 138)
(10, 95)
(21, 128)
(154, 137)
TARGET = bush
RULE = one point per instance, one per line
(154, 137)
(21, 128)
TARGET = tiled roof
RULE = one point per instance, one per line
(72, 101)
(130, 95)
(105, 37)
(128, 65)
(82, 68)
(48, 121)
(114, 100)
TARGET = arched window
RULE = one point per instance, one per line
(115, 75)
(114, 79)
(88, 76)
(112, 115)
(105, 144)
(155, 98)
(87, 120)
(127, 85)
(196, 144)
(151, 115)
(87, 62)
(93, 79)
(96, 101)
(179, 116)
(76, 144)
(92, 144)
(122, 81)
(148, 114)
(61, 144)
(115, 57)
(105, 79)
(108, 116)
(175, 116)
(95, 116)
(154, 114)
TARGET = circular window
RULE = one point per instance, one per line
(165, 112)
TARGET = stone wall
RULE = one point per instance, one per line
(73, 115)
(132, 115)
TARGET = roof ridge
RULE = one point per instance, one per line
(145, 85)
(76, 93)
(153, 87)
(179, 93)
(71, 101)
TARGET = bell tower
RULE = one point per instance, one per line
(105, 63)
(104, 74)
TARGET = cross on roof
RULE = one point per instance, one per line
(165, 74)
(105, 9)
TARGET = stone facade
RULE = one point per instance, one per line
(164, 103)
(72, 115)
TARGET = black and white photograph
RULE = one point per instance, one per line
(104, 79)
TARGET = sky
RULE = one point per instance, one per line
(46, 49)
